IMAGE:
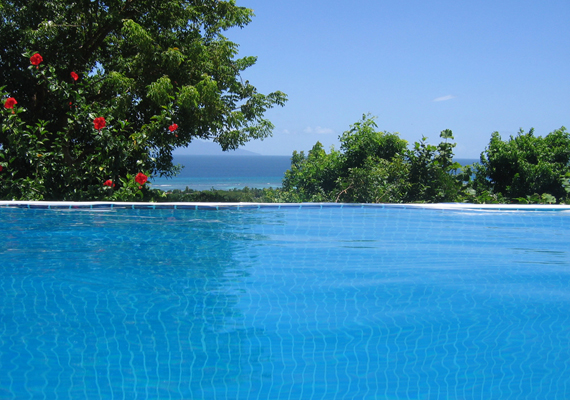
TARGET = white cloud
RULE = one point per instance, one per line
(319, 130)
(324, 131)
(444, 98)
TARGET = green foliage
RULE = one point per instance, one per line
(526, 165)
(40, 162)
(372, 167)
(376, 181)
(545, 198)
(311, 178)
(143, 66)
(362, 142)
(245, 195)
(433, 173)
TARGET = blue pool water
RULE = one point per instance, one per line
(291, 303)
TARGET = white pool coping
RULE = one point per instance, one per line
(218, 206)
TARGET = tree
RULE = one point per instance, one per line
(377, 180)
(432, 172)
(160, 73)
(525, 165)
(312, 177)
(363, 141)
(374, 166)
(368, 168)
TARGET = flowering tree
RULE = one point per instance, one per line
(83, 160)
(108, 89)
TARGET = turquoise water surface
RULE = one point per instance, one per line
(226, 172)
(292, 303)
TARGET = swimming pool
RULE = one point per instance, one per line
(291, 302)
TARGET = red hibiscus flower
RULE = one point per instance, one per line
(99, 123)
(141, 178)
(109, 183)
(36, 59)
(74, 76)
(1, 168)
(10, 102)
(172, 127)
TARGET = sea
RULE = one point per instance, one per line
(226, 172)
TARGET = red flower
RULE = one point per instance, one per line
(10, 102)
(109, 183)
(172, 127)
(99, 123)
(141, 178)
(1, 168)
(36, 59)
(74, 76)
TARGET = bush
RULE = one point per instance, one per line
(525, 165)
(245, 195)
(374, 166)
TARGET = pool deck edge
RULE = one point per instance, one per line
(217, 206)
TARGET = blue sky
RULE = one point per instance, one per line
(420, 66)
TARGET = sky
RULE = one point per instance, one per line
(418, 66)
